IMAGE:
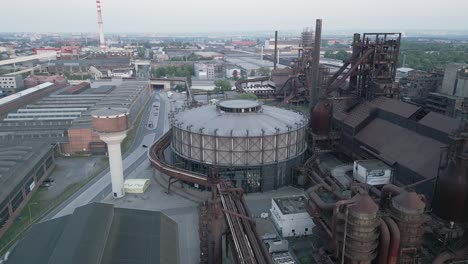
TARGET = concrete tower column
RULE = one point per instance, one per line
(111, 124)
(113, 141)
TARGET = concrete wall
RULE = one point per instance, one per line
(462, 86)
(450, 78)
(79, 139)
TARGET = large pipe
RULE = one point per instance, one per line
(373, 190)
(384, 242)
(451, 255)
(394, 240)
(276, 50)
(336, 212)
(314, 93)
(387, 191)
(312, 194)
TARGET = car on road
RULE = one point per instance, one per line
(48, 180)
(45, 185)
(144, 146)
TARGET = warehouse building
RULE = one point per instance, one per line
(396, 133)
(23, 168)
(47, 119)
(11, 84)
(82, 139)
(99, 233)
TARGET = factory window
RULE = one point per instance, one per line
(15, 203)
(4, 215)
(294, 230)
(49, 162)
(307, 229)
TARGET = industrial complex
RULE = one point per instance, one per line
(292, 149)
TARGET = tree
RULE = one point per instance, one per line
(252, 73)
(141, 52)
(223, 85)
(340, 55)
(246, 96)
(235, 75)
(264, 71)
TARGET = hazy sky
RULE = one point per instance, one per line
(167, 16)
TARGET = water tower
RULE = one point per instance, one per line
(112, 124)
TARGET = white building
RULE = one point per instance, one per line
(233, 72)
(282, 44)
(290, 216)
(121, 73)
(11, 84)
(373, 172)
(204, 71)
(282, 258)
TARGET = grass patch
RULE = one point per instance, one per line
(33, 211)
(302, 108)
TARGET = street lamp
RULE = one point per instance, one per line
(29, 207)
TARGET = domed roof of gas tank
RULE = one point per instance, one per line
(211, 118)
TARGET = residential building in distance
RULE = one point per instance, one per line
(10, 84)
(282, 44)
(204, 71)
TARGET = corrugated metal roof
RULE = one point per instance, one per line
(395, 106)
(101, 234)
(440, 122)
(18, 95)
(397, 144)
(13, 172)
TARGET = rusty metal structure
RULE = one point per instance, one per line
(355, 222)
(372, 68)
(398, 224)
(225, 214)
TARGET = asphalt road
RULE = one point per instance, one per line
(100, 186)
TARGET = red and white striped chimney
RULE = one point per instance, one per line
(102, 42)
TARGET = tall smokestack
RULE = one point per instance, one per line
(276, 50)
(102, 42)
(314, 94)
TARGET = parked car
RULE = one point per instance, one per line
(144, 146)
(48, 180)
(45, 185)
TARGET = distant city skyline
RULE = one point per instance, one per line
(176, 16)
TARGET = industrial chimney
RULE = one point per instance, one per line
(102, 42)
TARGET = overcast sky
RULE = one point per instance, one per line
(165, 16)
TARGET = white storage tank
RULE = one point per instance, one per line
(372, 172)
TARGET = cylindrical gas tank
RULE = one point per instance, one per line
(321, 117)
(451, 196)
(407, 209)
(362, 231)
